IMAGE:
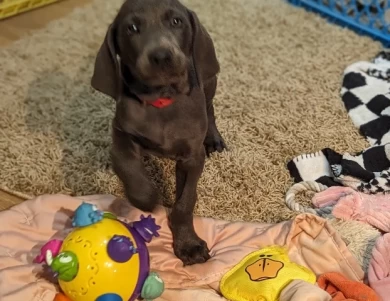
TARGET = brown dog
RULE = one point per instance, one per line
(159, 64)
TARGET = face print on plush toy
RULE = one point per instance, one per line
(264, 274)
(264, 268)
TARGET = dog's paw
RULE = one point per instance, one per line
(192, 250)
(214, 142)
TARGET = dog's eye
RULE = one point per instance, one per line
(132, 29)
(176, 22)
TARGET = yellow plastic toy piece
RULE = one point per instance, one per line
(97, 272)
(10, 8)
(262, 275)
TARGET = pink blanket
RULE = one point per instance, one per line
(311, 241)
(379, 269)
(349, 204)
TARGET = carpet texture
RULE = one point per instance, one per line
(278, 96)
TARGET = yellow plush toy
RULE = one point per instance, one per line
(262, 275)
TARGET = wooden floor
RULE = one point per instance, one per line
(16, 27)
(7, 200)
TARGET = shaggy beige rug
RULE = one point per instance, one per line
(278, 97)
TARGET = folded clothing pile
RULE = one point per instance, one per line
(354, 186)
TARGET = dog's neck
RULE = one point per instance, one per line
(144, 93)
(135, 88)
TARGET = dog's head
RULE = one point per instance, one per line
(157, 41)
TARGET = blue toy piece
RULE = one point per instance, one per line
(86, 214)
(109, 297)
(364, 17)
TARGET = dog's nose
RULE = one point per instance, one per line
(160, 57)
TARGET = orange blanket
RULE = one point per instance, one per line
(342, 289)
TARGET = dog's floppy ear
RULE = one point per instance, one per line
(203, 52)
(106, 75)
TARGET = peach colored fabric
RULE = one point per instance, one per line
(311, 242)
(299, 290)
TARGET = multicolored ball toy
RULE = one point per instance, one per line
(103, 258)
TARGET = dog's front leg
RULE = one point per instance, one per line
(128, 165)
(213, 141)
(187, 245)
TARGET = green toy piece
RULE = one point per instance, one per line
(153, 287)
(109, 215)
(65, 264)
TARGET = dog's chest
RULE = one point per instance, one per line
(172, 131)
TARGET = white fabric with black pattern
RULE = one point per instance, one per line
(366, 96)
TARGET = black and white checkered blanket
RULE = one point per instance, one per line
(366, 95)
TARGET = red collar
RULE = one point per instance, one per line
(161, 103)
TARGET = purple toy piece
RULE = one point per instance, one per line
(146, 227)
(143, 254)
(53, 245)
(120, 248)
